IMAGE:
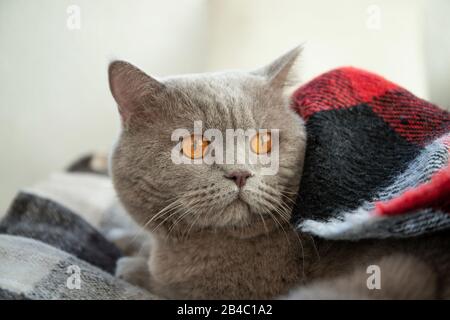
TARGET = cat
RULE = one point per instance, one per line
(223, 231)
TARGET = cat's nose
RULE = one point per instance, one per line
(239, 177)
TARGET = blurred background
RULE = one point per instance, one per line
(55, 103)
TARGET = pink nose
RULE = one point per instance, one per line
(239, 177)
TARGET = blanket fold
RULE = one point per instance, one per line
(376, 162)
(42, 219)
(49, 252)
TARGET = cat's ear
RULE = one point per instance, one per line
(281, 72)
(131, 88)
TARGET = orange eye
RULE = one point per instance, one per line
(261, 143)
(194, 146)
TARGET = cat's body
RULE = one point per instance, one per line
(217, 265)
(410, 268)
(222, 230)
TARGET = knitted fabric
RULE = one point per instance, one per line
(377, 159)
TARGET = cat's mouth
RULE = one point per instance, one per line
(240, 196)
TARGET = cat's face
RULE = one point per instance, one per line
(158, 192)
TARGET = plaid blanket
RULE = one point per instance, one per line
(49, 252)
(376, 161)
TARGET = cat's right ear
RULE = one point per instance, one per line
(131, 88)
(281, 73)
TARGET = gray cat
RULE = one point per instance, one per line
(222, 231)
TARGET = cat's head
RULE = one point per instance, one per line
(160, 192)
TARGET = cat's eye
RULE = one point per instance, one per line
(194, 146)
(261, 143)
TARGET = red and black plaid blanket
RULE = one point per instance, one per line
(377, 159)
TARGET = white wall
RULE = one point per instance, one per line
(437, 50)
(336, 33)
(54, 99)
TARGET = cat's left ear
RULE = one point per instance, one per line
(281, 72)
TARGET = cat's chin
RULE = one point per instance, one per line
(246, 222)
(239, 214)
(236, 214)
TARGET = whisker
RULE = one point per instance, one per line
(286, 209)
(189, 209)
(263, 221)
(274, 218)
(191, 225)
(174, 212)
(142, 228)
(163, 211)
